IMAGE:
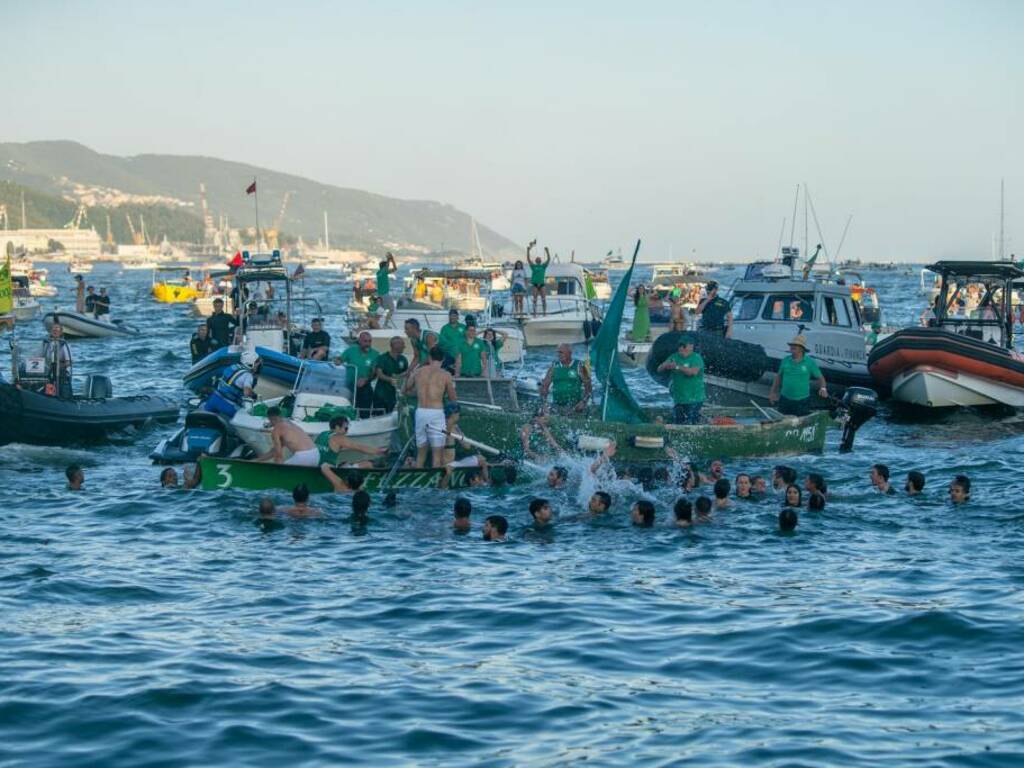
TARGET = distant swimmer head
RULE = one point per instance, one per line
(169, 478)
(794, 496)
(300, 493)
(915, 482)
(960, 489)
(788, 519)
(642, 513)
(816, 502)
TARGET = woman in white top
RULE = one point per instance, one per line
(518, 288)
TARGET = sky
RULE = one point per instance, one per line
(586, 125)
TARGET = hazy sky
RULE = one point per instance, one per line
(584, 124)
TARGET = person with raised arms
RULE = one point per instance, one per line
(538, 277)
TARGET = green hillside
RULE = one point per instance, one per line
(357, 219)
(43, 210)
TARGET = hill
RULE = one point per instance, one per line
(358, 219)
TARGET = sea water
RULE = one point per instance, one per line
(143, 627)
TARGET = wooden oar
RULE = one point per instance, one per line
(471, 443)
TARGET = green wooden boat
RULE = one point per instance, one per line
(730, 433)
(220, 474)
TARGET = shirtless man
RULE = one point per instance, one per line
(432, 382)
(283, 435)
(677, 311)
(301, 507)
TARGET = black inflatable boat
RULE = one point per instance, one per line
(729, 358)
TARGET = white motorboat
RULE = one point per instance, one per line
(135, 264)
(37, 285)
(79, 325)
(79, 267)
(25, 306)
(570, 318)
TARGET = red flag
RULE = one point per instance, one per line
(236, 260)
(300, 271)
(251, 189)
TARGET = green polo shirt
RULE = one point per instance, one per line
(384, 395)
(450, 338)
(472, 363)
(687, 390)
(363, 363)
(796, 377)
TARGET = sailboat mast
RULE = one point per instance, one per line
(1002, 210)
(327, 239)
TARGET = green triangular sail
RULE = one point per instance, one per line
(617, 402)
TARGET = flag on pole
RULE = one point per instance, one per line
(300, 271)
(6, 293)
(617, 402)
(236, 260)
(251, 189)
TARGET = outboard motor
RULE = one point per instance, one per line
(858, 406)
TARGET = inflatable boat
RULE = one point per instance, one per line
(82, 326)
(277, 375)
(33, 417)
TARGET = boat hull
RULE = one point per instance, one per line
(82, 326)
(222, 474)
(749, 437)
(167, 293)
(31, 417)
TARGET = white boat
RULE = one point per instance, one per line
(429, 295)
(375, 431)
(570, 318)
(133, 264)
(25, 307)
(37, 285)
(599, 281)
(79, 267)
(79, 325)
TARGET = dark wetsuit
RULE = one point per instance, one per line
(221, 325)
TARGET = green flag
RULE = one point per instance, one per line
(6, 300)
(617, 403)
(588, 286)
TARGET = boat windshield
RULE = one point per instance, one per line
(322, 379)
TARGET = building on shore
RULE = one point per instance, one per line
(77, 243)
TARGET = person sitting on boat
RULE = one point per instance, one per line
(538, 277)
(388, 371)
(453, 458)
(102, 303)
(336, 440)
(687, 382)
(385, 269)
(361, 358)
(452, 334)
(317, 343)
(220, 324)
(714, 313)
(432, 383)
(791, 388)
(57, 356)
(286, 435)
(471, 359)
(235, 385)
(90, 301)
(569, 382)
(373, 313)
(201, 344)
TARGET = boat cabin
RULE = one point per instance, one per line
(267, 307)
(444, 289)
(976, 299)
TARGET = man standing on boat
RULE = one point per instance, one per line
(714, 313)
(569, 383)
(792, 385)
(432, 383)
(79, 294)
(471, 359)
(90, 301)
(362, 359)
(317, 343)
(57, 356)
(388, 371)
(452, 334)
(538, 276)
(418, 350)
(220, 324)
(102, 304)
(386, 268)
(687, 382)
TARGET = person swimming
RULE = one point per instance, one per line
(794, 497)
(816, 502)
(721, 491)
(683, 511)
(880, 479)
(600, 502)
(169, 477)
(759, 485)
(744, 487)
(703, 507)
(360, 508)
(301, 507)
(960, 489)
(495, 528)
(540, 510)
(266, 508)
(75, 476)
(815, 483)
(788, 518)
(460, 520)
(642, 513)
(783, 476)
(915, 483)
(557, 477)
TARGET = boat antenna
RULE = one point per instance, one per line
(1002, 208)
(814, 213)
(792, 221)
(782, 231)
(843, 238)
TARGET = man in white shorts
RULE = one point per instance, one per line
(284, 434)
(432, 383)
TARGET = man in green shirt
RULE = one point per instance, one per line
(386, 267)
(793, 380)
(452, 334)
(538, 274)
(388, 370)
(569, 382)
(361, 360)
(419, 354)
(687, 382)
(471, 359)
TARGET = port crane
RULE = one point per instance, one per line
(272, 233)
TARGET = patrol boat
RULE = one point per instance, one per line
(775, 301)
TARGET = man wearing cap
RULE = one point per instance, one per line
(714, 313)
(452, 334)
(317, 343)
(687, 382)
(361, 359)
(220, 324)
(793, 380)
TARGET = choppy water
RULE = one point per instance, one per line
(143, 627)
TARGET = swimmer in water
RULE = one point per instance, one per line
(744, 488)
(788, 518)
(794, 498)
(715, 472)
(915, 483)
(360, 508)
(783, 476)
(815, 483)
(267, 507)
(460, 521)
(495, 528)
(760, 487)
(960, 489)
(351, 481)
(703, 507)
(169, 477)
(880, 479)
(557, 477)
(642, 514)
(540, 510)
(301, 507)
(683, 511)
(75, 476)
(721, 492)
(816, 502)
(600, 502)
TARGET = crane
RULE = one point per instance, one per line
(3, 215)
(136, 237)
(110, 234)
(142, 230)
(275, 228)
(80, 216)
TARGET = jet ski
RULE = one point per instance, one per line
(204, 433)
